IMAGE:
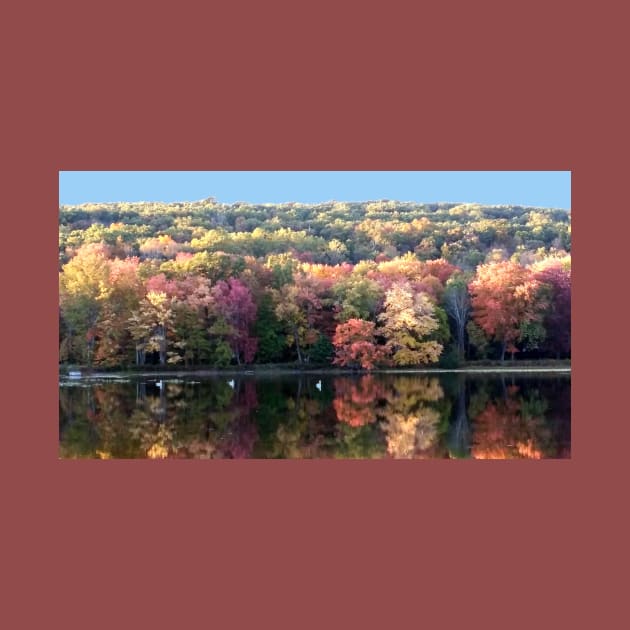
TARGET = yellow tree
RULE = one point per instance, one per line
(150, 324)
(124, 295)
(298, 305)
(407, 321)
(83, 289)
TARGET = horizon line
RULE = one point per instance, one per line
(315, 203)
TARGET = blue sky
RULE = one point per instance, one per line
(530, 188)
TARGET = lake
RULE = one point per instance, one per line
(382, 415)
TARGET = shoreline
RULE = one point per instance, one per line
(258, 371)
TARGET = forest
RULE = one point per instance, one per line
(351, 285)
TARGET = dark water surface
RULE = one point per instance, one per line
(482, 416)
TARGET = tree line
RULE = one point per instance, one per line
(354, 285)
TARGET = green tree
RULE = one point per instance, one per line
(359, 298)
(268, 329)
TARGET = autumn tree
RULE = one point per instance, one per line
(457, 305)
(149, 326)
(158, 246)
(555, 275)
(83, 290)
(235, 306)
(297, 308)
(407, 321)
(283, 267)
(358, 297)
(355, 345)
(125, 290)
(504, 297)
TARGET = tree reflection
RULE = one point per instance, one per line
(513, 427)
(303, 432)
(459, 434)
(176, 420)
(355, 400)
(410, 424)
(398, 416)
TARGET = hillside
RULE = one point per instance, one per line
(325, 233)
(358, 284)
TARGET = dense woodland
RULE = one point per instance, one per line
(357, 285)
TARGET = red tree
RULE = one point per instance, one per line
(504, 297)
(355, 345)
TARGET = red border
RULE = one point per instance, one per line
(282, 86)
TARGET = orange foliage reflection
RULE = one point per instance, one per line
(505, 430)
(355, 400)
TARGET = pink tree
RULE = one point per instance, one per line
(233, 302)
(556, 276)
(504, 297)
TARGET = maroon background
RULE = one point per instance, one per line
(288, 85)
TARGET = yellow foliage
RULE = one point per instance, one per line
(157, 451)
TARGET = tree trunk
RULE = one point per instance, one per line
(459, 432)
(162, 331)
(90, 350)
(503, 347)
(141, 393)
(297, 346)
(460, 342)
(140, 355)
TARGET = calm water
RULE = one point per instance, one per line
(382, 415)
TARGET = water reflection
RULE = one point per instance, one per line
(398, 416)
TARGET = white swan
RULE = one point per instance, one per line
(319, 385)
(159, 384)
(231, 383)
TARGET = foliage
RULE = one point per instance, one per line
(322, 351)
(506, 296)
(406, 322)
(355, 345)
(555, 275)
(268, 330)
(457, 305)
(210, 283)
